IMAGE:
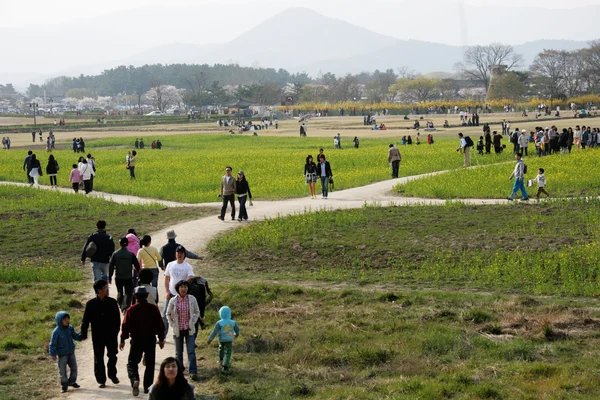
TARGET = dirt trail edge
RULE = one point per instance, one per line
(195, 235)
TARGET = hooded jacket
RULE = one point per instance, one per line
(226, 328)
(61, 342)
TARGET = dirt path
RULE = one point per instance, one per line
(196, 235)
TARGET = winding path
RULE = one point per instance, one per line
(196, 235)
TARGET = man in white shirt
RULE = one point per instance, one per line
(523, 142)
(519, 175)
(175, 271)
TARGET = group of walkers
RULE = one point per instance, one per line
(5, 142)
(136, 266)
(230, 187)
(81, 176)
(322, 171)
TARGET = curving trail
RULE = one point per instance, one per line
(197, 233)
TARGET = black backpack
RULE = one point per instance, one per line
(514, 138)
(468, 141)
(524, 168)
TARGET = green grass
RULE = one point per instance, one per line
(298, 342)
(41, 237)
(569, 175)
(189, 167)
(539, 249)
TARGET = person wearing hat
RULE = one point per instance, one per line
(167, 252)
(175, 271)
(102, 312)
(123, 262)
(228, 183)
(523, 142)
(242, 189)
(143, 324)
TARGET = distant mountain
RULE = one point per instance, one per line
(297, 39)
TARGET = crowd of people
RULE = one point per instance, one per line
(136, 316)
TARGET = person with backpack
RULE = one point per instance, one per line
(465, 146)
(519, 175)
(514, 139)
(200, 290)
(99, 248)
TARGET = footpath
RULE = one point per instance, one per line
(195, 235)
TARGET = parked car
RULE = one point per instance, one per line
(154, 113)
(173, 112)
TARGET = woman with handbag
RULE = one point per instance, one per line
(36, 169)
(310, 173)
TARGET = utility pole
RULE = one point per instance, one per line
(34, 106)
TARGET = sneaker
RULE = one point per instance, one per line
(115, 380)
(233, 218)
(525, 199)
(102, 385)
(75, 385)
(509, 198)
(225, 368)
(221, 218)
(194, 377)
(135, 388)
(146, 391)
(64, 389)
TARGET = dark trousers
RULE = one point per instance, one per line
(132, 172)
(53, 180)
(540, 191)
(29, 178)
(124, 293)
(110, 343)
(524, 150)
(395, 168)
(488, 148)
(87, 186)
(76, 187)
(147, 347)
(243, 214)
(230, 198)
(91, 183)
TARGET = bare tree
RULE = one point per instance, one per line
(592, 65)
(477, 60)
(548, 71)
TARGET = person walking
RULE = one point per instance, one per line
(310, 173)
(52, 170)
(75, 178)
(92, 163)
(100, 252)
(523, 142)
(62, 348)
(488, 142)
(182, 313)
(519, 175)
(394, 159)
(86, 175)
(226, 331)
(27, 166)
(168, 251)
(123, 262)
(227, 194)
(324, 170)
(143, 323)
(148, 257)
(131, 161)
(36, 169)
(102, 313)
(175, 271)
(466, 149)
(541, 181)
(242, 189)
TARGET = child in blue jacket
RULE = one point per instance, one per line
(228, 330)
(62, 348)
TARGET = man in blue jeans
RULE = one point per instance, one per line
(519, 175)
(324, 170)
(104, 249)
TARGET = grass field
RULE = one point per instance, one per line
(190, 169)
(41, 237)
(568, 175)
(412, 302)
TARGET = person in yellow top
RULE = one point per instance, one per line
(148, 256)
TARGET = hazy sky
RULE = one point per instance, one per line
(34, 12)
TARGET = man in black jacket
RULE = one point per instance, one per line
(27, 166)
(122, 263)
(143, 323)
(167, 252)
(324, 172)
(104, 249)
(102, 312)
